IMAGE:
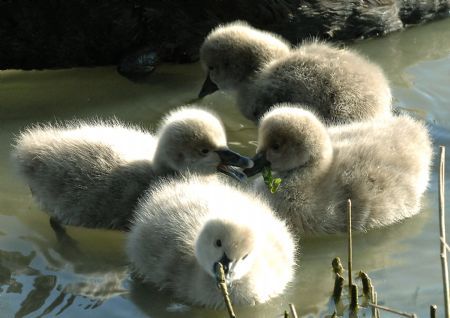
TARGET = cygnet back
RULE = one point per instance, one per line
(340, 85)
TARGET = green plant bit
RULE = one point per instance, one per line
(271, 182)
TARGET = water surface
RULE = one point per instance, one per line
(43, 277)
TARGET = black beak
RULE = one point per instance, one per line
(208, 87)
(225, 261)
(259, 163)
(230, 158)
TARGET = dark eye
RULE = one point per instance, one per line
(211, 68)
(245, 256)
(276, 146)
(205, 151)
(218, 243)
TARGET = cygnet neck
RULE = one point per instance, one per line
(319, 164)
(161, 165)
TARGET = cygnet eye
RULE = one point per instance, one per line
(276, 146)
(245, 256)
(205, 151)
(211, 68)
(218, 243)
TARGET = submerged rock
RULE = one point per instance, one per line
(51, 33)
(139, 65)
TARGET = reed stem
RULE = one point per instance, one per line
(337, 266)
(223, 288)
(350, 250)
(433, 311)
(375, 301)
(354, 298)
(366, 282)
(442, 230)
(338, 286)
(293, 311)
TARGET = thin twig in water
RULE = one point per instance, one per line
(442, 230)
(223, 288)
(293, 311)
(400, 313)
(349, 229)
(286, 315)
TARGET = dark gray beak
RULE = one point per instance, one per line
(225, 261)
(208, 87)
(231, 158)
(228, 159)
(259, 163)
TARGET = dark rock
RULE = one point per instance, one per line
(66, 33)
(138, 65)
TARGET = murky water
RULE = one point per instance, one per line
(43, 277)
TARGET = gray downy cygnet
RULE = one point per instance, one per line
(92, 173)
(233, 54)
(261, 70)
(184, 227)
(382, 166)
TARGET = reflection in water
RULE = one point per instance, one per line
(42, 287)
(42, 276)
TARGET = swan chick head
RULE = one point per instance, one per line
(194, 139)
(233, 52)
(291, 137)
(231, 244)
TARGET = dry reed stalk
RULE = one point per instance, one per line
(354, 298)
(442, 230)
(350, 250)
(394, 311)
(433, 311)
(223, 288)
(375, 301)
(338, 286)
(367, 283)
(293, 311)
(337, 266)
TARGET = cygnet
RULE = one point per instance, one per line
(382, 166)
(261, 69)
(183, 228)
(233, 53)
(92, 173)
